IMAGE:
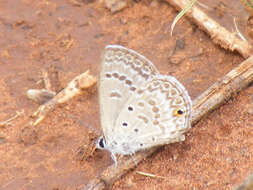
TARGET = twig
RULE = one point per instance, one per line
(212, 98)
(7, 122)
(74, 88)
(219, 34)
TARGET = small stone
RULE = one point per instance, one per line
(28, 136)
(40, 96)
(180, 43)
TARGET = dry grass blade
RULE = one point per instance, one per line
(150, 175)
(181, 14)
(238, 32)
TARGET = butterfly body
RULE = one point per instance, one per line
(139, 108)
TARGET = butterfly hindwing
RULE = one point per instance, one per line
(159, 113)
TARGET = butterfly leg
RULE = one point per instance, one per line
(114, 158)
(132, 156)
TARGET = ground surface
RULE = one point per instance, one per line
(66, 40)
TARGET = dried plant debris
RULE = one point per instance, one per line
(87, 149)
(74, 88)
(8, 121)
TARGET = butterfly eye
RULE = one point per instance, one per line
(130, 108)
(124, 124)
(101, 143)
(178, 112)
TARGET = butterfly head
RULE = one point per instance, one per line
(101, 143)
(114, 147)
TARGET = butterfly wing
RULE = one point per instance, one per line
(159, 113)
(122, 71)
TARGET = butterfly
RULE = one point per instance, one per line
(139, 108)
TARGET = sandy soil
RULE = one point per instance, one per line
(66, 40)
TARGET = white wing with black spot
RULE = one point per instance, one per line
(159, 113)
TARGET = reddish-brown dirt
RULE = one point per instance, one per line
(66, 40)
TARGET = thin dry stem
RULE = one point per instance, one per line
(8, 121)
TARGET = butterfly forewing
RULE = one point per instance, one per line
(122, 72)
